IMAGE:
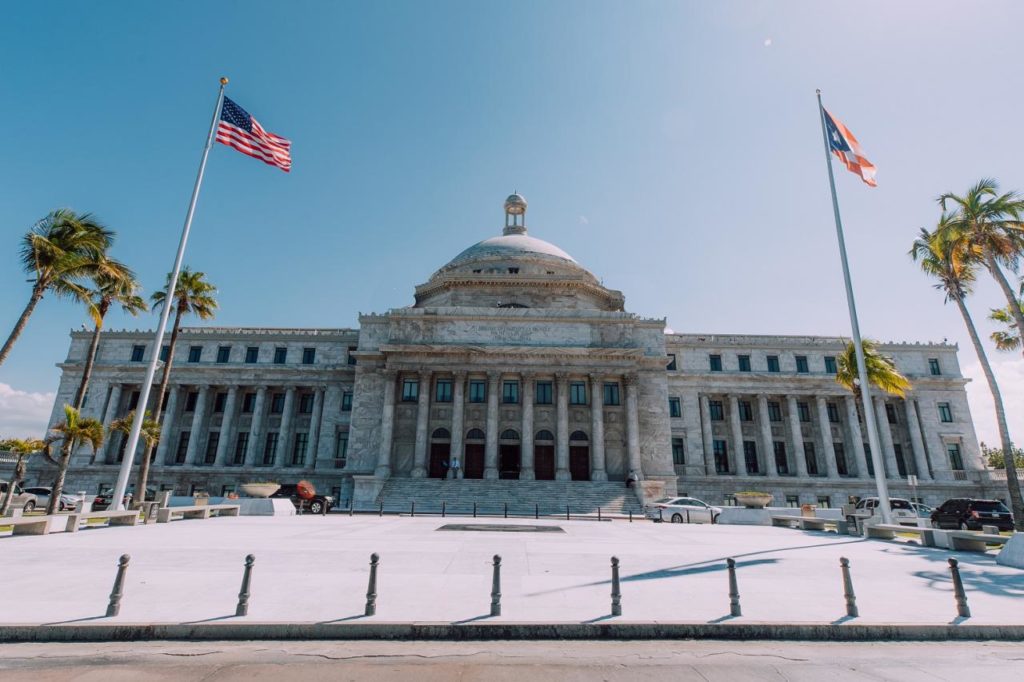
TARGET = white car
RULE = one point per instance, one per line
(42, 494)
(683, 510)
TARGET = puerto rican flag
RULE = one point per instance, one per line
(844, 145)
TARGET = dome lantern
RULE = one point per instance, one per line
(515, 214)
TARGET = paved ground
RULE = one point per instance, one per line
(511, 661)
(311, 568)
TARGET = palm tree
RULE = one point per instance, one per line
(22, 449)
(58, 253)
(990, 224)
(881, 369)
(115, 283)
(72, 432)
(942, 256)
(150, 433)
(1007, 339)
(193, 295)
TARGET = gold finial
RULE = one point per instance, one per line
(223, 80)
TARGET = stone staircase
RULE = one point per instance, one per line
(524, 498)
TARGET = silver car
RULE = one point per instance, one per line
(683, 510)
(27, 501)
(42, 494)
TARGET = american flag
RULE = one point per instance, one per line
(241, 131)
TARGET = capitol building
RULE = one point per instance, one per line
(516, 364)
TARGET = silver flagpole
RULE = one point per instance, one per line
(147, 385)
(862, 371)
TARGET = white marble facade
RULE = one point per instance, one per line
(520, 364)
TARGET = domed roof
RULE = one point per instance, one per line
(509, 246)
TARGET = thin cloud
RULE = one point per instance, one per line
(24, 414)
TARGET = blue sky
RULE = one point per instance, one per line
(671, 147)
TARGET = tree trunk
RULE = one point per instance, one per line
(1016, 500)
(62, 472)
(1011, 298)
(19, 474)
(143, 477)
(19, 327)
(90, 360)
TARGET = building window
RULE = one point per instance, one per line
(678, 454)
(933, 367)
(513, 271)
(721, 451)
(956, 461)
(341, 458)
(195, 353)
(543, 393)
(165, 352)
(190, 401)
(477, 391)
(218, 402)
(945, 413)
(773, 363)
(830, 364)
(137, 353)
(611, 394)
(442, 391)
(252, 355)
(774, 412)
(824, 502)
(306, 403)
(792, 501)
(750, 456)
(299, 453)
(901, 465)
(277, 403)
(804, 410)
(744, 363)
(671, 362)
(833, 413)
(810, 459)
(410, 390)
(133, 400)
(577, 393)
(351, 359)
(716, 362)
(308, 356)
(179, 455)
(211, 447)
(241, 445)
(270, 451)
(890, 413)
(801, 364)
(280, 355)
(840, 458)
(674, 409)
(248, 402)
(346, 402)
(223, 354)
(746, 413)
(510, 392)
(781, 462)
(717, 414)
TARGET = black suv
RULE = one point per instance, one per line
(318, 504)
(968, 514)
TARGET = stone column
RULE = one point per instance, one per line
(707, 436)
(860, 459)
(526, 471)
(458, 414)
(828, 450)
(387, 425)
(767, 443)
(491, 444)
(419, 459)
(633, 425)
(227, 424)
(797, 435)
(597, 472)
(284, 438)
(170, 415)
(736, 427)
(313, 447)
(327, 448)
(916, 442)
(198, 417)
(256, 426)
(110, 449)
(562, 423)
(885, 435)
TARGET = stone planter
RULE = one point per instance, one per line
(754, 500)
(260, 489)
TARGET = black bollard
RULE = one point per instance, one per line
(851, 598)
(371, 588)
(598, 513)
(536, 510)
(243, 594)
(351, 505)
(474, 509)
(660, 519)
(616, 591)
(962, 609)
(506, 510)
(631, 516)
(567, 513)
(412, 509)
(381, 512)
(496, 587)
(734, 590)
(442, 509)
(114, 605)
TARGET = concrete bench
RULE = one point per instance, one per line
(972, 541)
(203, 511)
(811, 523)
(28, 525)
(887, 531)
(113, 518)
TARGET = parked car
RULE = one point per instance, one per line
(682, 510)
(967, 514)
(923, 510)
(903, 511)
(42, 494)
(318, 504)
(27, 501)
(102, 501)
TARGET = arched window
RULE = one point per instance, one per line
(509, 434)
(441, 434)
(578, 435)
(544, 435)
(475, 434)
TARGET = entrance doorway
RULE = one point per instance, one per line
(473, 462)
(544, 456)
(508, 455)
(579, 456)
(440, 447)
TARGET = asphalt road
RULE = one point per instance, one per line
(512, 661)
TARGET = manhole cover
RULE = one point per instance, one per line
(499, 528)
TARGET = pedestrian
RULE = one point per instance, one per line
(632, 478)
(455, 467)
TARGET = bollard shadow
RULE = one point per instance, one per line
(722, 619)
(211, 620)
(79, 620)
(473, 619)
(599, 619)
(358, 616)
(959, 620)
(844, 619)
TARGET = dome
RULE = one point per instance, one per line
(510, 246)
(515, 204)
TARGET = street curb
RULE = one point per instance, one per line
(813, 632)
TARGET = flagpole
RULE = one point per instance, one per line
(862, 372)
(117, 501)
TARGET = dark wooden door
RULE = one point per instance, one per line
(439, 460)
(579, 462)
(544, 462)
(508, 467)
(473, 466)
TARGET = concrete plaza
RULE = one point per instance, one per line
(314, 569)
